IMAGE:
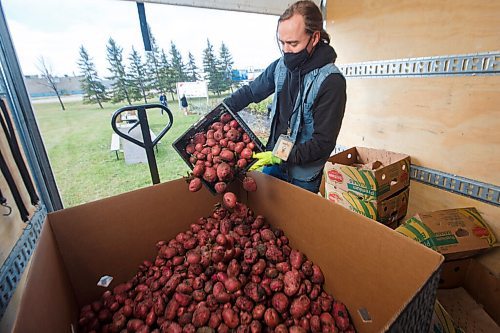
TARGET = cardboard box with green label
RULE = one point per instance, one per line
(455, 233)
(374, 174)
(386, 211)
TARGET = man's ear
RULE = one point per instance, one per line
(316, 38)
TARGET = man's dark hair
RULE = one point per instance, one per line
(312, 18)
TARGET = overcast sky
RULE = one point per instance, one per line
(55, 29)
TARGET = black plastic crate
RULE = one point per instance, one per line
(202, 125)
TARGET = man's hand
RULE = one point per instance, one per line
(263, 159)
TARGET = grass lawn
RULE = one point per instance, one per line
(78, 144)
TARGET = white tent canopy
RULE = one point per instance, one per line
(270, 7)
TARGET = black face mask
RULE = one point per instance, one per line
(295, 60)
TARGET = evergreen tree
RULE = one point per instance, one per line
(211, 68)
(166, 75)
(153, 68)
(178, 67)
(192, 69)
(226, 68)
(94, 91)
(121, 86)
(137, 76)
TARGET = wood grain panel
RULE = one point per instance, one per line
(450, 124)
(365, 30)
(424, 198)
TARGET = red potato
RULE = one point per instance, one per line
(246, 138)
(151, 318)
(200, 316)
(271, 318)
(249, 184)
(199, 138)
(242, 163)
(190, 148)
(198, 148)
(315, 324)
(225, 118)
(296, 259)
(276, 285)
(134, 324)
(267, 235)
(233, 135)
(229, 200)
(173, 328)
(244, 304)
(210, 175)
(218, 136)
(245, 320)
(215, 319)
(280, 302)
(223, 171)
(217, 126)
(220, 187)
(234, 123)
(211, 142)
(258, 311)
(232, 284)
(230, 318)
(255, 327)
(233, 268)
(250, 145)
(238, 147)
(300, 306)
(231, 145)
(215, 151)
(281, 328)
(226, 155)
(297, 329)
(291, 281)
(246, 153)
(317, 276)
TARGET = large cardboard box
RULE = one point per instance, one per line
(470, 293)
(387, 211)
(387, 281)
(373, 173)
(456, 233)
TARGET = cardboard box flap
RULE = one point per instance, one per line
(48, 303)
(331, 238)
(119, 233)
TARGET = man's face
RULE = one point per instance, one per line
(292, 35)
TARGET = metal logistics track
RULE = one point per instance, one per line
(486, 63)
(13, 267)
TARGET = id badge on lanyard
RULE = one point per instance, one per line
(283, 146)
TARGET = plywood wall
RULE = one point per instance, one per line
(448, 123)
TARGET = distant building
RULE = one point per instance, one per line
(67, 85)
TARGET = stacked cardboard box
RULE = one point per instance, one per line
(455, 233)
(371, 182)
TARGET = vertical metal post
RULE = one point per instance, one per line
(144, 26)
(148, 144)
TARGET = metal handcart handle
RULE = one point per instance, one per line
(148, 144)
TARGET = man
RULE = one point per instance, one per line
(309, 98)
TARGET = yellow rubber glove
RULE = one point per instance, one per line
(263, 159)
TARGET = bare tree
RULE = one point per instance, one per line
(46, 69)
